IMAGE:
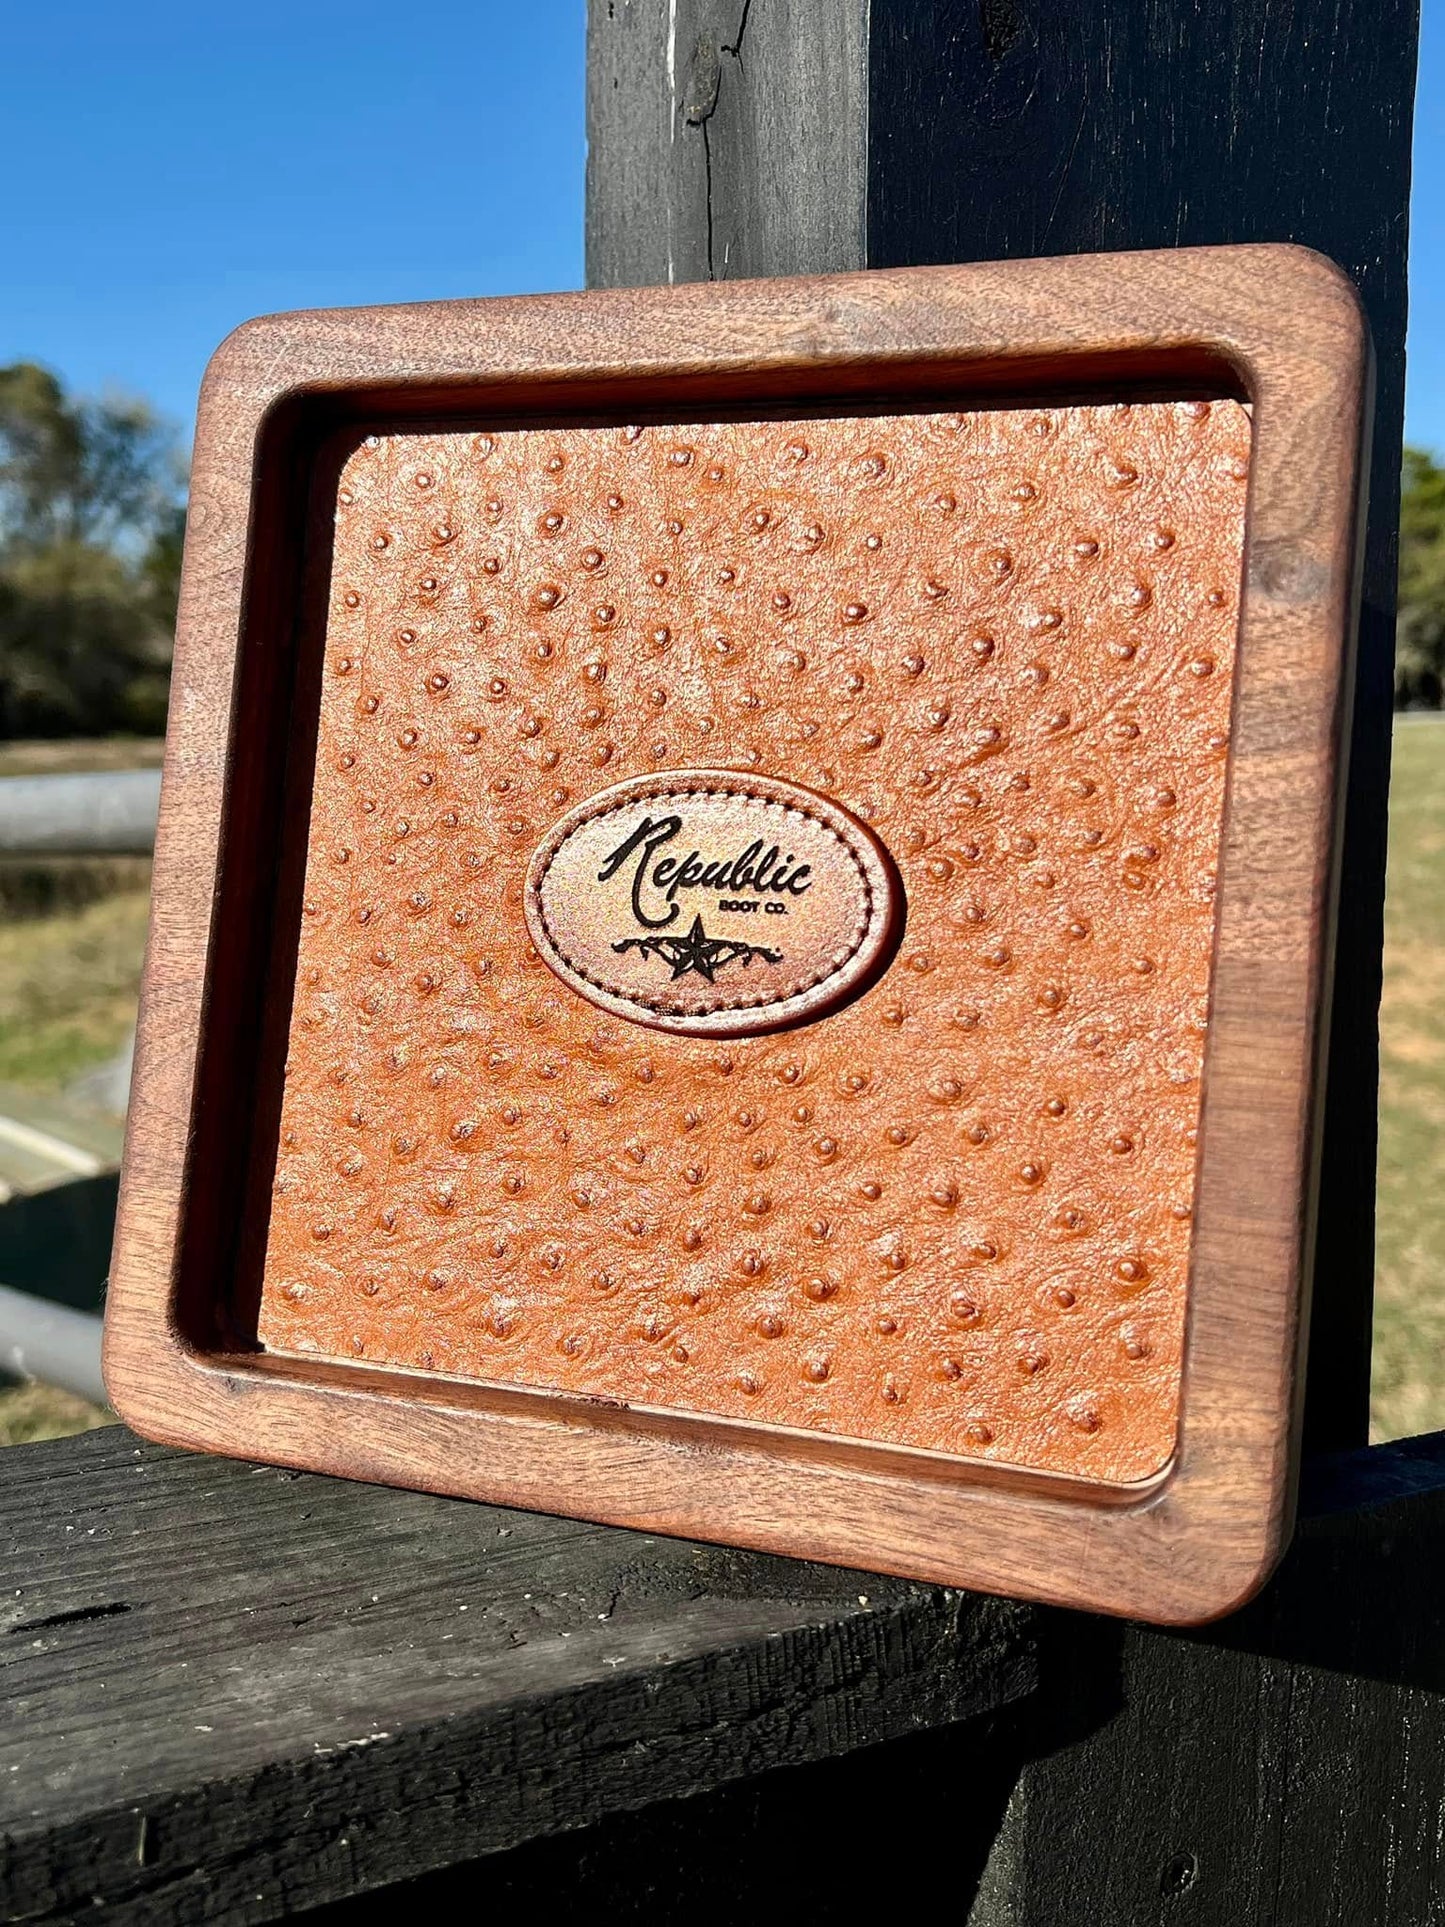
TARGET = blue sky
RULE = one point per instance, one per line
(186, 167)
(1425, 355)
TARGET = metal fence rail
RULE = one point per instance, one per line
(109, 813)
(50, 1342)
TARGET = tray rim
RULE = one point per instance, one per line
(1284, 328)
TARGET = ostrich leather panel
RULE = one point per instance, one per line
(964, 680)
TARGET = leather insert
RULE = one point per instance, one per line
(953, 1214)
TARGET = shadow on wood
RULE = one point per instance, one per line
(1283, 1769)
(728, 139)
(235, 1692)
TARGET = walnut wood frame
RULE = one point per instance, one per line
(1277, 326)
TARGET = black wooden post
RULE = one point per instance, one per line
(755, 137)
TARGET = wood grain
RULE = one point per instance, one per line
(245, 1622)
(1277, 326)
(231, 1693)
(1327, 1699)
(695, 167)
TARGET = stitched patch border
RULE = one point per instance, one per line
(818, 982)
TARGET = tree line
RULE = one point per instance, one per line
(91, 513)
(1420, 628)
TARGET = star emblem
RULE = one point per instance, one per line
(699, 952)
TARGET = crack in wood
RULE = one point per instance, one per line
(78, 1615)
(701, 93)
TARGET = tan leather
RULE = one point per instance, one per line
(953, 1214)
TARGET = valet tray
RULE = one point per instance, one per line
(991, 1274)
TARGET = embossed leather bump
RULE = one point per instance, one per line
(953, 1213)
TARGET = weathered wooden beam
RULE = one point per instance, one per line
(234, 1693)
(725, 139)
(1285, 1769)
(766, 137)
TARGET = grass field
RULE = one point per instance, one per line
(68, 981)
(68, 987)
(81, 753)
(30, 1412)
(67, 998)
(1408, 1379)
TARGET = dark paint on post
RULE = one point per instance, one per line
(904, 132)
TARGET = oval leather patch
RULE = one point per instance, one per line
(712, 902)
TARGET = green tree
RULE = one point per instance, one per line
(89, 559)
(1420, 629)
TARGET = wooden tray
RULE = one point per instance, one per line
(742, 912)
